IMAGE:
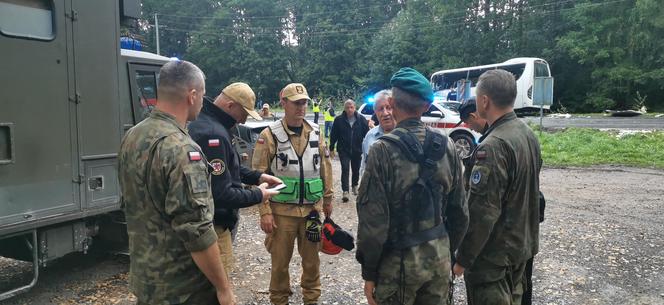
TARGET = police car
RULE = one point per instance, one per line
(444, 119)
(245, 137)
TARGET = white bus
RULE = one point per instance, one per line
(525, 69)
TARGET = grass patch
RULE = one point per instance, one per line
(586, 147)
(601, 115)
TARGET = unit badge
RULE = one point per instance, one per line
(476, 177)
(218, 167)
(299, 89)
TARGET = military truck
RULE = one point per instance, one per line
(68, 94)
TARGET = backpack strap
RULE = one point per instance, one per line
(407, 142)
(426, 156)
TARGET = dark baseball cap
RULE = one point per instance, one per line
(469, 106)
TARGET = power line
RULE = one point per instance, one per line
(361, 31)
(354, 24)
(357, 9)
(464, 11)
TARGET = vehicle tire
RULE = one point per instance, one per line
(464, 143)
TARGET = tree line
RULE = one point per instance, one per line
(604, 54)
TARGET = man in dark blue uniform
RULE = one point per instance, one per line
(211, 131)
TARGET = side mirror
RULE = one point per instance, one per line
(437, 114)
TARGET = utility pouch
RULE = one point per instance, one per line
(313, 189)
(289, 194)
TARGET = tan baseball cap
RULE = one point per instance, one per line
(242, 94)
(294, 92)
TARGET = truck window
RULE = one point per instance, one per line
(31, 19)
(146, 93)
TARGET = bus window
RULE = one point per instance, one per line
(449, 80)
(541, 69)
(27, 19)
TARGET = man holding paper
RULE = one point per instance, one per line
(211, 131)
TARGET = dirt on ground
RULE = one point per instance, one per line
(602, 242)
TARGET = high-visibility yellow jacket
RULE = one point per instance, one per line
(328, 117)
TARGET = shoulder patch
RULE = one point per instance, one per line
(218, 166)
(213, 142)
(481, 154)
(260, 141)
(476, 177)
(195, 156)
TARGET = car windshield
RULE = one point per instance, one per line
(453, 106)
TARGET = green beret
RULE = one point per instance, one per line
(408, 79)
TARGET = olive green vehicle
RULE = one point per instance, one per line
(68, 93)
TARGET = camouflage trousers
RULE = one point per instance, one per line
(488, 284)
(225, 243)
(422, 278)
(204, 297)
(280, 244)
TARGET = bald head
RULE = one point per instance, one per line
(177, 78)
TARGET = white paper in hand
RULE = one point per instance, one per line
(277, 188)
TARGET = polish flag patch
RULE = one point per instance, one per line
(261, 141)
(195, 156)
(213, 142)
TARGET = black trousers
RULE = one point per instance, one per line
(348, 162)
(315, 117)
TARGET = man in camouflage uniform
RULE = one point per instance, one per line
(503, 199)
(167, 200)
(468, 115)
(408, 262)
(292, 150)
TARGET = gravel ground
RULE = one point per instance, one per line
(602, 243)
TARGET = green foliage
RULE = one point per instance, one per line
(585, 147)
(601, 52)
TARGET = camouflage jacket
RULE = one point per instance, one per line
(387, 176)
(503, 196)
(168, 205)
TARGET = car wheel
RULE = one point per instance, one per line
(464, 144)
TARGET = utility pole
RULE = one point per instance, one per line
(156, 29)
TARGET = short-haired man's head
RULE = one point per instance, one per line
(349, 102)
(383, 110)
(349, 107)
(382, 95)
(499, 85)
(408, 102)
(177, 78)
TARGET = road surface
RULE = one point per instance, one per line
(633, 123)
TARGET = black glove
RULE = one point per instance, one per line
(313, 227)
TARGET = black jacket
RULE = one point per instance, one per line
(211, 131)
(349, 139)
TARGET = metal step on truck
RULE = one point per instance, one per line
(68, 93)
